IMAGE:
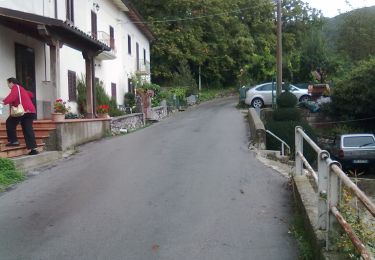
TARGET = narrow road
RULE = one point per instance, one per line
(186, 188)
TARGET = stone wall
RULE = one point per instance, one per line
(127, 122)
(158, 113)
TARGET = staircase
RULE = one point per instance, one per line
(42, 129)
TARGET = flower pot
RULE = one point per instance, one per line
(104, 115)
(57, 117)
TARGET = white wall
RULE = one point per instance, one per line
(40, 7)
(109, 71)
(8, 66)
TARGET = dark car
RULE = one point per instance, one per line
(354, 151)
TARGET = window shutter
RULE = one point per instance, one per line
(114, 91)
(72, 85)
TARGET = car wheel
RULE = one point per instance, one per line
(304, 98)
(257, 103)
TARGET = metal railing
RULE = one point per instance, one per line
(328, 179)
(142, 67)
(281, 141)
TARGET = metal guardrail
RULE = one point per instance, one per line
(328, 179)
(281, 141)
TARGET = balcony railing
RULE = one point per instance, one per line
(142, 67)
(107, 40)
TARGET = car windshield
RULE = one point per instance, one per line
(358, 141)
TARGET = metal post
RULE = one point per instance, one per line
(323, 172)
(200, 80)
(332, 199)
(279, 51)
(282, 149)
(298, 149)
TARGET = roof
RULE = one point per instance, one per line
(138, 20)
(34, 25)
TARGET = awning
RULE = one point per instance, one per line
(44, 29)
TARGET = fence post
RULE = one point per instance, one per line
(323, 172)
(332, 198)
(298, 148)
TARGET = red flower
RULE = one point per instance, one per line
(102, 109)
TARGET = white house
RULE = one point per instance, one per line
(48, 44)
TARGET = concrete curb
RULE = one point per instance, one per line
(28, 163)
(306, 200)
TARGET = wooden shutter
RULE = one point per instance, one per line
(94, 25)
(129, 44)
(70, 10)
(111, 37)
(114, 91)
(72, 85)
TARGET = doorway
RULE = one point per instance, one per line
(25, 68)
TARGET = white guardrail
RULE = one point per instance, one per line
(328, 179)
(283, 144)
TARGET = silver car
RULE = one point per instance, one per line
(261, 95)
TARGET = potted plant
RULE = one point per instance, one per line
(59, 108)
(102, 111)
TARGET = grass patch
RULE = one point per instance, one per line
(9, 175)
(298, 230)
(206, 95)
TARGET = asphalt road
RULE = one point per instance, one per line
(184, 188)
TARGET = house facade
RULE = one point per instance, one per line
(50, 44)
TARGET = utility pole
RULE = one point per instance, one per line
(279, 64)
(200, 80)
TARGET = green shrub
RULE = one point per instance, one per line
(81, 97)
(286, 100)
(285, 130)
(129, 99)
(286, 114)
(113, 109)
(101, 95)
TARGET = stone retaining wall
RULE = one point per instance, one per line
(128, 122)
(158, 113)
(257, 130)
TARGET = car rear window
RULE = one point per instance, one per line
(358, 141)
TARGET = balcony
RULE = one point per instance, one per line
(107, 40)
(142, 67)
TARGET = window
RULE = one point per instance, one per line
(144, 56)
(111, 37)
(70, 10)
(359, 141)
(130, 86)
(137, 54)
(129, 44)
(94, 25)
(267, 87)
(72, 87)
(114, 91)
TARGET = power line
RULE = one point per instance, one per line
(193, 18)
(345, 121)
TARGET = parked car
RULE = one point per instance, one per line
(354, 151)
(261, 95)
(318, 90)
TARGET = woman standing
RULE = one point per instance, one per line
(18, 95)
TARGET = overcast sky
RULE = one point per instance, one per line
(332, 8)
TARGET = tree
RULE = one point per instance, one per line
(232, 41)
(356, 35)
(354, 95)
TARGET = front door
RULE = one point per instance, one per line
(25, 68)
